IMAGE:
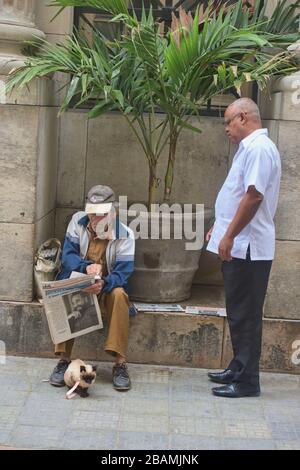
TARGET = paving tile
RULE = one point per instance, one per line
(192, 375)
(287, 445)
(35, 437)
(248, 444)
(13, 398)
(167, 408)
(157, 376)
(89, 440)
(144, 423)
(50, 394)
(5, 436)
(190, 391)
(280, 415)
(200, 408)
(284, 431)
(145, 407)
(195, 426)
(17, 382)
(8, 417)
(155, 390)
(142, 441)
(45, 415)
(249, 429)
(191, 442)
(239, 413)
(94, 420)
(102, 404)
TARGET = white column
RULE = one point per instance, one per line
(289, 88)
(284, 100)
(16, 26)
(28, 142)
(271, 5)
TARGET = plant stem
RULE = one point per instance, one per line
(171, 163)
(135, 131)
(152, 182)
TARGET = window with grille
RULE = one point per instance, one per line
(86, 19)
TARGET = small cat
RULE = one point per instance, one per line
(81, 373)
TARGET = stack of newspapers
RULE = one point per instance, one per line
(67, 286)
(158, 307)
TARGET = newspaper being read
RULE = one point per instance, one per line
(70, 311)
(77, 281)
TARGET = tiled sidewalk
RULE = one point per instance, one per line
(167, 408)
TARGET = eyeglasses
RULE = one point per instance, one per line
(229, 121)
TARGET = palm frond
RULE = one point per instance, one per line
(198, 59)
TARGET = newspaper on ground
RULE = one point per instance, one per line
(211, 311)
(70, 311)
(158, 307)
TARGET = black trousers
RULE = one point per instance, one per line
(245, 283)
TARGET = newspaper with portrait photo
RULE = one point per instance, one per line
(71, 311)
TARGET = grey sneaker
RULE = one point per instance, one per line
(57, 376)
(121, 379)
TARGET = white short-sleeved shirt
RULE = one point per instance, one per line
(257, 163)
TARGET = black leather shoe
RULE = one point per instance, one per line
(121, 379)
(57, 376)
(225, 377)
(235, 390)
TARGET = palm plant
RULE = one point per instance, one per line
(197, 59)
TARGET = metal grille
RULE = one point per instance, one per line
(162, 10)
(87, 19)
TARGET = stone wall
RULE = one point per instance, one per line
(106, 149)
(283, 299)
(28, 164)
(283, 107)
(155, 338)
(29, 144)
(27, 213)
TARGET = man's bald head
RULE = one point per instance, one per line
(246, 105)
(242, 117)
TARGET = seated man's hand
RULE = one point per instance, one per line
(95, 288)
(94, 269)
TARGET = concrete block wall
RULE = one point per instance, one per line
(283, 298)
(56, 31)
(176, 339)
(106, 149)
(28, 168)
(29, 144)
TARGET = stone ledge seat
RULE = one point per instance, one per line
(163, 338)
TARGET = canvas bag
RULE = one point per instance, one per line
(46, 263)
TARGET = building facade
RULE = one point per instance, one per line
(48, 163)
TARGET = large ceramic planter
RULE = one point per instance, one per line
(164, 269)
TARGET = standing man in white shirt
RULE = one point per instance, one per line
(243, 236)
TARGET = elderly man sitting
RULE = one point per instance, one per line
(97, 242)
